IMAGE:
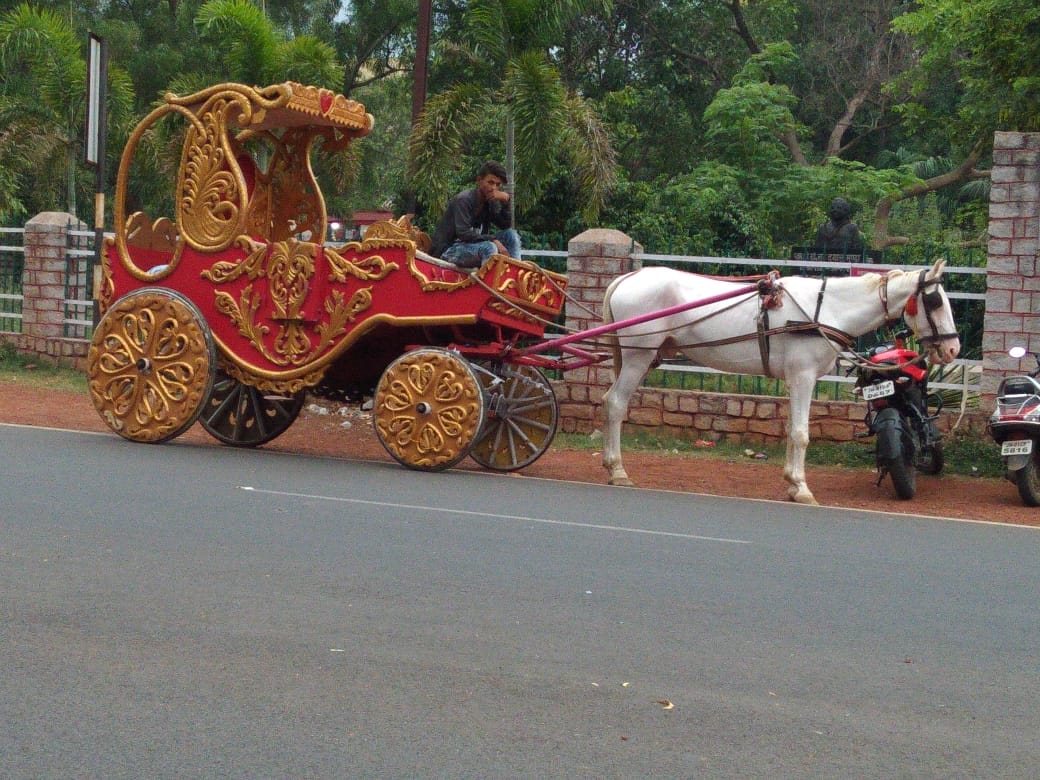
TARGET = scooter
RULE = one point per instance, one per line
(893, 380)
(1015, 426)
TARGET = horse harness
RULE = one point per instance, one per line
(771, 291)
(771, 299)
(932, 300)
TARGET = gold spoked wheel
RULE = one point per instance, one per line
(429, 409)
(151, 365)
(521, 417)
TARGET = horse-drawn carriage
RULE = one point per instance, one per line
(230, 311)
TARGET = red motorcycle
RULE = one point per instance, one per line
(1015, 426)
(893, 380)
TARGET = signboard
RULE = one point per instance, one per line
(97, 72)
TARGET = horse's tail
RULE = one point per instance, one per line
(608, 317)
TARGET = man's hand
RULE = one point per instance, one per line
(500, 195)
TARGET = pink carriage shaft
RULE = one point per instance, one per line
(612, 327)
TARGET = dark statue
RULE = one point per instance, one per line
(839, 234)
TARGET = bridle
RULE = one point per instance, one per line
(931, 299)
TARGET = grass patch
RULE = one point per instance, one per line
(31, 371)
(966, 455)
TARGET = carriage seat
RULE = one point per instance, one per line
(442, 263)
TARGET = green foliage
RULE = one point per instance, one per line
(704, 107)
(991, 48)
(502, 72)
(256, 52)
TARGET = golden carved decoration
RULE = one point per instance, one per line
(160, 235)
(267, 384)
(211, 194)
(107, 287)
(243, 314)
(368, 269)
(525, 283)
(430, 283)
(212, 200)
(150, 366)
(509, 310)
(429, 409)
(400, 228)
(340, 314)
(252, 265)
(289, 267)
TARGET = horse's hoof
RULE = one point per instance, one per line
(804, 498)
(622, 482)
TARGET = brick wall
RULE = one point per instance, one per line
(1013, 288)
(43, 290)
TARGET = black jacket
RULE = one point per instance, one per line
(466, 220)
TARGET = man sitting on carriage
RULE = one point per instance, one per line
(463, 235)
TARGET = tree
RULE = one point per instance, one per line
(506, 78)
(256, 52)
(375, 41)
(42, 105)
(992, 49)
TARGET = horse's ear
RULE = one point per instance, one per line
(937, 269)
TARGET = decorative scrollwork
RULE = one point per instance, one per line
(289, 269)
(367, 268)
(252, 265)
(340, 314)
(210, 199)
(242, 314)
(266, 384)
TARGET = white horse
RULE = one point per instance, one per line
(792, 329)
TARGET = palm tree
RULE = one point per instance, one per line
(42, 111)
(42, 104)
(510, 78)
(256, 51)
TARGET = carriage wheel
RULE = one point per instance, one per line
(244, 416)
(521, 418)
(429, 409)
(151, 365)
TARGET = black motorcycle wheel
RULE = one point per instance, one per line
(1028, 480)
(904, 477)
(932, 460)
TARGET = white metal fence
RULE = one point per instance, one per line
(12, 261)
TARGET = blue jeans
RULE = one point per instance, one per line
(473, 255)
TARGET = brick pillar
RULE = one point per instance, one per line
(594, 259)
(1012, 284)
(43, 287)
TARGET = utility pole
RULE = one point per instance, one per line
(422, 59)
(419, 71)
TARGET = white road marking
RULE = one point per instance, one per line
(542, 520)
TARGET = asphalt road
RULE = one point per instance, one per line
(182, 611)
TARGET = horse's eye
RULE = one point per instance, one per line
(932, 300)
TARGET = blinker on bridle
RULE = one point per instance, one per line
(933, 301)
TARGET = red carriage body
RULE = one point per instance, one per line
(229, 312)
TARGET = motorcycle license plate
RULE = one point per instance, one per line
(1016, 447)
(879, 390)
